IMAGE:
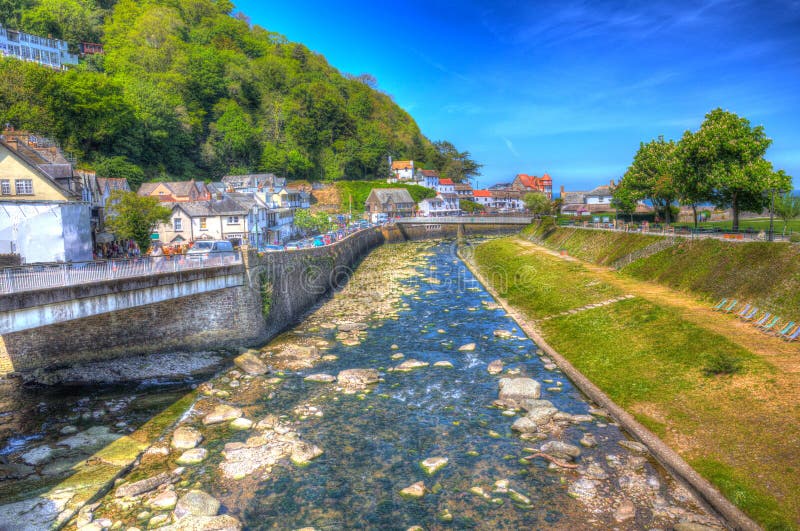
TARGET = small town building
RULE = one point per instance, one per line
(583, 203)
(176, 192)
(53, 53)
(530, 183)
(32, 168)
(430, 178)
(394, 202)
(446, 186)
(403, 171)
(252, 183)
(463, 190)
(215, 219)
(441, 205)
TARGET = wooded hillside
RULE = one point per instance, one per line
(189, 88)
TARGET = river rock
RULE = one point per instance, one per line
(320, 378)
(469, 347)
(518, 389)
(503, 334)
(692, 526)
(561, 449)
(241, 424)
(15, 471)
(446, 364)
(583, 489)
(352, 327)
(38, 455)
(186, 438)
(94, 437)
(495, 367)
(223, 522)
(525, 425)
(353, 380)
(432, 465)
(303, 453)
(163, 501)
(410, 365)
(196, 503)
(242, 459)
(222, 413)
(625, 511)
(250, 363)
(144, 485)
(588, 440)
(417, 490)
(634, 446)
(193, 456)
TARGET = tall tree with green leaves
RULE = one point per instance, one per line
(624, 200)
(133, 217)
(729, 155)
(537, 203)
(651, 176)
(787, 208)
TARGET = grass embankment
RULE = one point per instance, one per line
(600, 247)
(359, 190)
(739, 430)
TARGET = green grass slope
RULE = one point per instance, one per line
(765, 274)
(358, 191)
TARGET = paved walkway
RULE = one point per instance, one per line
(785, 356)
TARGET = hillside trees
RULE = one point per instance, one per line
(185, 90)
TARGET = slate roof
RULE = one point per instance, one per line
(215, 207)
(254, 180)
(396, 195)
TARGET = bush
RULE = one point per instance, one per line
(794, 237)
(722, 363)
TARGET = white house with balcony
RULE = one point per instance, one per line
(53, 53)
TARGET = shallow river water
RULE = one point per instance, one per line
(374, 440)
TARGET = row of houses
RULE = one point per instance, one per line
(257, 208)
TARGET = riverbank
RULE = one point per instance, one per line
(408, 399)
(656, 355)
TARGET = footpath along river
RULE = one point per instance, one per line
(390, 407)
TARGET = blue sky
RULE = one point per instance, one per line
(564, 87)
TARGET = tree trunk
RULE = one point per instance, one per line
(667, 211)
(735, 208)
(694, 212)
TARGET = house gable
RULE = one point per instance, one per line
(13, 167)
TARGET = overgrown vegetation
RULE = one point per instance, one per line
(738, 431)
(354, 193)
(189, 88)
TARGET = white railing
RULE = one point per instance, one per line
(45, 276)
(503, 220)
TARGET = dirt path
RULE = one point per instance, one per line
(784, 356)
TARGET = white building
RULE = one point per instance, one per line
(446, 186)
(26, 47)
(430, 178)
(402, 171)
(46, 231)
(441, 205)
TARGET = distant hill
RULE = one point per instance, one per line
(189, 89)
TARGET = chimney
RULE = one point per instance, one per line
(562, 191)
(612, 183)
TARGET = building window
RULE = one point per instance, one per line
(24, 186)
(203, 225)
(177, 224)
(233, 220)
(5, 187)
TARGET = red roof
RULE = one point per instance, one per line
(430, 173)
(481, 193)
(533, 182)
(446, 181)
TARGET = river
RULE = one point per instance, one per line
(414, 301)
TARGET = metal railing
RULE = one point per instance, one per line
(45, 276)
(683, 231)
(507, 220)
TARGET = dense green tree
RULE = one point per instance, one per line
(624, 200)
(652, 176)
(72, 20)
(311, 222)
(537, 203)
(728, 153)
(134, 217)
(120, 168)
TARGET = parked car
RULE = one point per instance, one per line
(212, 249)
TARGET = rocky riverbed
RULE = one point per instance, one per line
(408, 399)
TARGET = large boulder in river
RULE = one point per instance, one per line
(222, 413)
(250, 363)
(223, 522)
(357, 379)
(186, 438)
(196, 503)
(519, 389)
